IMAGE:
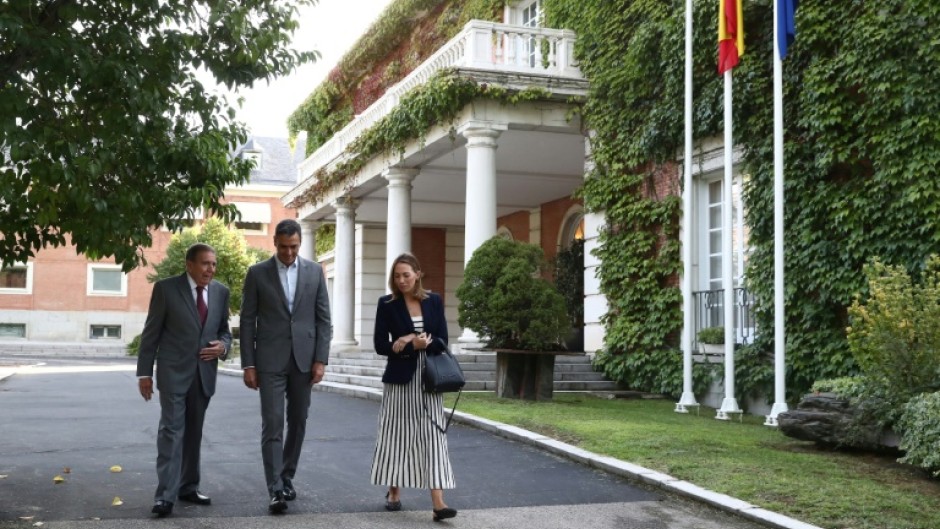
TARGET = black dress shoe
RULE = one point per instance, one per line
(278, 503)
(289, 493)
(196, 497)
(162, 508)
(443, 514)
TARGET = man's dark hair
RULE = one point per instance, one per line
(193, 251)
(287, 227)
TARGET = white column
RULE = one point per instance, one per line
(480, 209)
(398, 236)
(344, 284)
(780, 338)
(730, 404)
(308, 239)
(688, 397)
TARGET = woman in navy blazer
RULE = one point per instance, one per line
(410, 451)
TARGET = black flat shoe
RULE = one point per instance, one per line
(290, 494)
(278, 503)
(196, 497)
(392, 505)
(443, 514)
(162, 508)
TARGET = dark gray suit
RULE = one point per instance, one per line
(282, 346)
(173, 337)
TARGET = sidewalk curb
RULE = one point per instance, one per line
(607, 464)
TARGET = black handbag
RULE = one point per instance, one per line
(442, 374)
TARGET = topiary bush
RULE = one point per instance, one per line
(507, 302)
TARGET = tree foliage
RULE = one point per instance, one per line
(862, 160)
(233, 257)
(107, 130)
(505, 299)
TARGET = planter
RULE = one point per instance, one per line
(709, 353)
(528, 375)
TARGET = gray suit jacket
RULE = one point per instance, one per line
(269, 332)
(173, 337)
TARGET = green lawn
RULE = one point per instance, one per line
(746, 460)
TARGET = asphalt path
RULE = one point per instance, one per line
(77, 418)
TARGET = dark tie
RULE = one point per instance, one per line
(201, 307)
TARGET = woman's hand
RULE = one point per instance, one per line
(422, 341)
(399, 344)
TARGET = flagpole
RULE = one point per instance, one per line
(780, 403)
(729, 404)
(688, 396)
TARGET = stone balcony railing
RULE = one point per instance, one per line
(481, 45)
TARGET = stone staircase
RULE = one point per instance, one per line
(365, 368)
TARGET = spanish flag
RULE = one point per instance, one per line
(730, 34)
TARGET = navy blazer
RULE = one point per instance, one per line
(392, 321)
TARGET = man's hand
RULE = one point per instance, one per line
(146, 387)
(213, 351)
(251, 378)
(316, 373)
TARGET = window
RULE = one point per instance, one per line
(17, 279)
(106, 280)
(253, 156)
(530, 19)
(250, 227)
(12, 330)
(255, 217)
(105, 331)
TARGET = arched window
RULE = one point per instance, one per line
(573, 227)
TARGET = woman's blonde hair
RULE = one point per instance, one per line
(412, 261)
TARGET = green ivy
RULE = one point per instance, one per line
(407, 33)
(861, 154)
(437, 102)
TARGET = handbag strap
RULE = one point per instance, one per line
(450, 418)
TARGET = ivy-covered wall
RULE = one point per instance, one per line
(862, 163)
(406, 34)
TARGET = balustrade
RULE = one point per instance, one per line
(480, 45)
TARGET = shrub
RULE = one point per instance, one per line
(506, 301)
(895, 334)
(133, 347)
(712, 335)
(919, 426)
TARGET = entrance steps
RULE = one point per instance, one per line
(573, 373)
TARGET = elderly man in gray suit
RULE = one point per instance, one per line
(285, 346)
(186, 332)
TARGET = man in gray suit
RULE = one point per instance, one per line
(187, 333)
(285, 346)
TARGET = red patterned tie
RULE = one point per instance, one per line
(201, 307)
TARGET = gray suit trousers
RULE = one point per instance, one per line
(179, 440)
(279, 452)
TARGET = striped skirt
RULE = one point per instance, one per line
(409, 450)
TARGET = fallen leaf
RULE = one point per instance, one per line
(117, 501)
(58, 479)
(38, 524)
(3, 476)
(116, 468)
(66, 470)
(26, 518)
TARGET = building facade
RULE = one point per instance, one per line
(60, 299)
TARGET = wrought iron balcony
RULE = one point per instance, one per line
(709, 312)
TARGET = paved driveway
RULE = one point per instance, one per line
(76, 421)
